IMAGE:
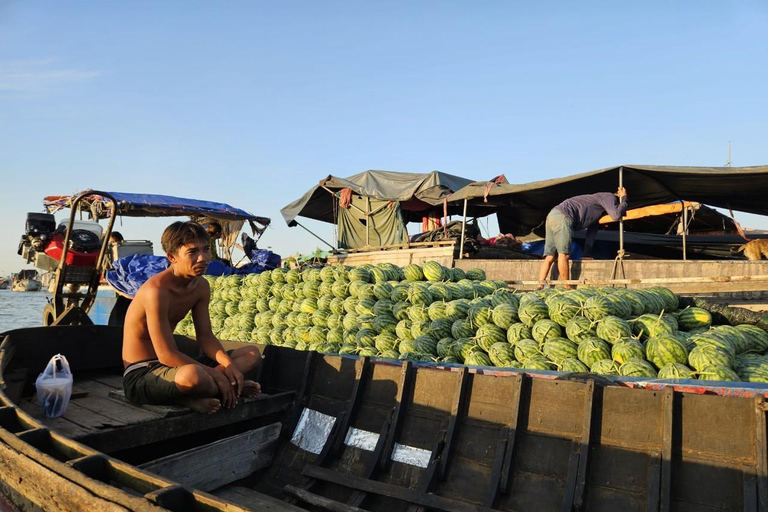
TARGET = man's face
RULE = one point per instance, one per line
(191, 259)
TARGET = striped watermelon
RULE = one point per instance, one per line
(403, 329)
(502, 354)
(478, 358)
(592, 350)
(573, 365)
(488, 334)
(413, 272)
(390, 354)
(433, 271)
(457, 274)
(475, 274)
(691, 318)
(385, 323)
(709, 355)
(440, 328)
(517, 332)
(406, 346)
(538, 362)
(462, 328)
(562, 308)
(649, 326)
(597, 307)
(504, 296)
(712, 338)
(612, 329)
(579, 328)
(458, 308)
(524, 349)
(400, 310)
(675, 371)
(418, 313)
(439, 291)
(383, 307)
(605, 367)
(637, 367)
(545, 329)
(360, 274)
(626, 349)
(718, 372)
(758, 337)
(504, 315)
(445, 346)
(425, 345)
(559, 349)
(437, 310)
(533, 310)
(366, 338)
(420, 329)
(386, 341)
(665, 349)
(479, 314)
(740, 341)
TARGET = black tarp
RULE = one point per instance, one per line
(521, 208)
(416, 192)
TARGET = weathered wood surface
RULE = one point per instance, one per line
(319, 501)
(221, 462)
(254, 500)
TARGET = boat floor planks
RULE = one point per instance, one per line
(254, 500)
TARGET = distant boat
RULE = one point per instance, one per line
(27, 280)
(4, 283)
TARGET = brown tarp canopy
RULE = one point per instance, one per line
(521, 208)
(416, 192)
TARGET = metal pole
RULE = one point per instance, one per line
(463, 228)
(685, 229)
(621, 220)
(367, 220)
(314, 235)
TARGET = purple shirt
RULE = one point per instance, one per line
(586, 210)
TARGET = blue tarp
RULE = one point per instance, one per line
(129, 273)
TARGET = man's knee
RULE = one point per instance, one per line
(191, 378)
(247, 358)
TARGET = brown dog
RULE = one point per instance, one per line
(755, 249)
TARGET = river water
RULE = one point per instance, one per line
(21, 309)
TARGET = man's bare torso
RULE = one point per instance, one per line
(179, 300)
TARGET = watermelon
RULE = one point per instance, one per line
(717, 340)
(502, 354)
(649, 326)
(462, 328)
(504, 315)
(366, 338)
(458, 308)
(675, 371)
(425, 345)
(597, 307)
(479, 314)
(559, 349)
(545, 329)
(562, 308)
(406, 346)
(504, 296)
(517, 332)
(525, 349)
(709, 355)
(457, 274)
(439, 291)
(413, 272)
(692, 318)
(579, 328)
(592, 350)
(437, 310)
(441, 328)
(400, 310)
(385, 323)
(612, 329)
(386, 341)
(403, 329)
(478, 358)
(488, 334)
(475, 274)
(718, 372)
(626, 349)
(637, 367)
(532, 310)
(605, 367)
(758, 337)
(390, 354)
(433, 271)
(420, 328)
(665, 349)
(445, 346)
(573, 365)
(538, 362)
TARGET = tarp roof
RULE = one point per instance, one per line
(155, 205)
(423, 190)
(527, 205)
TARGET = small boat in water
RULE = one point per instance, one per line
(28, 280)
(4, 283)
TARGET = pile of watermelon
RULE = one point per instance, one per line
(432, 313)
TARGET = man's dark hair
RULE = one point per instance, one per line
(180, 234)
(117, 236)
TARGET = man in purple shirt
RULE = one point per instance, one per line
(575, 214)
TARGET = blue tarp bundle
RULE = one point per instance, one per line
(129, 273)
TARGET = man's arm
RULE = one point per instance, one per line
(615, 211)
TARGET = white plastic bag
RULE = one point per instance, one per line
(54, 387)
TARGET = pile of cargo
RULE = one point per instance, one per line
(438, 314)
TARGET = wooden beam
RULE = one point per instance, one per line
(761, 454)
(221, 462)
(320, 501)
(429, 501)
(131, 436)
(570, 482)
(521, 380)
(406, 373)
(654, 482)
(749, 483)
(353, 406)
(586, 437)
(668, 405)
(254, 500)
(302, 397)
(457, 409)
(492, 491)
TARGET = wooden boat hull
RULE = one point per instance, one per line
(356, 433)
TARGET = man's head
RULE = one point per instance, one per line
(187, 246)
(214, 230)
(116, 237)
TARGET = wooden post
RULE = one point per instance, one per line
(463, 229)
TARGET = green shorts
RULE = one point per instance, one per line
(150, 382)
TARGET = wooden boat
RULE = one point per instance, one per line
(26, 281)
(349, 434)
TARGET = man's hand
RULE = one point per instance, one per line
(621, 192)
(235, 378)
(227, 390)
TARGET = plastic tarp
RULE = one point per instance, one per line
(416, 192)
(382, 226)
(521, 208)
(156, 205)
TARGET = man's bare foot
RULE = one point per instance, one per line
(204, 405)
(250, 389)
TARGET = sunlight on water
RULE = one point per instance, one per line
(21, 309)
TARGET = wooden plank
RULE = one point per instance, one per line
(570, 482)
(320, 501)
(221, 462)
(514, 425)
(254, 500)
(130, 436)
(122, 412)
(302, 396)
(459, 401)
(59, 424)
(358, 390)
(406, 373)
(668, 404)
(750, 487)
(113, 381)
(761, 454)
(586, 437)
(429, 501)
(492, 492)
(654, 482)
(165, 411)
(13, 383)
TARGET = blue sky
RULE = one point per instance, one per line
(251, 103)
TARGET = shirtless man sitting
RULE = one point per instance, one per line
(156, 371)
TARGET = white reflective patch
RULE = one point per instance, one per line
(313, 430)
(410, 455)
(361, 439)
